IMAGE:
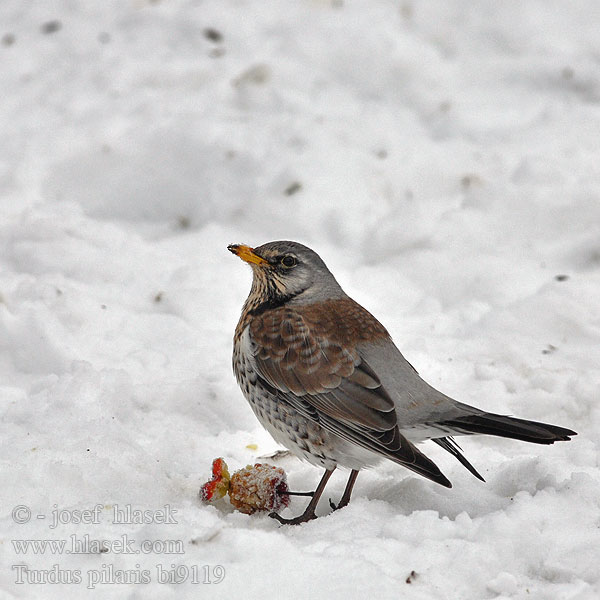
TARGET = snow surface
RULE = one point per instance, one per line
(442, 157)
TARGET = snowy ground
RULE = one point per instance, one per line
(442, 157)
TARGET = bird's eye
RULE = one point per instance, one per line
(289, 261)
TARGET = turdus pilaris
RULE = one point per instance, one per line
(325, 379)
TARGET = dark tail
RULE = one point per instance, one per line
(509, 427)
(447, 443)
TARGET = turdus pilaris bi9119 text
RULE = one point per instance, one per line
(325, 379)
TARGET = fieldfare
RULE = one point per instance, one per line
(325, 379)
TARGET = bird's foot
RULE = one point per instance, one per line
(343, 502)
(305, 517)
(309, 513)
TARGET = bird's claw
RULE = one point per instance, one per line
(303, 518)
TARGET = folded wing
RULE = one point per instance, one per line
(316, 367)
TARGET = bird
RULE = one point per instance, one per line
(325, 379)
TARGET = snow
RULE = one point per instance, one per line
(442, 157)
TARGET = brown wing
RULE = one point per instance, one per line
(311, 358)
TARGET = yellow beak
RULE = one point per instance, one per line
(247, 254)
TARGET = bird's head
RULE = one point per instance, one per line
(287, 272)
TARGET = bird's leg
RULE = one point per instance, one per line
(347, 492)
(309, 513)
